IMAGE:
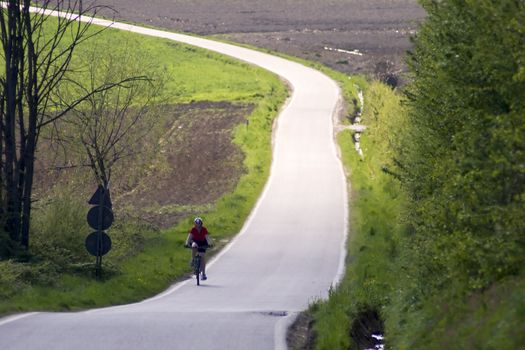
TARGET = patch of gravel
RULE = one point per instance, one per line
(300, 335)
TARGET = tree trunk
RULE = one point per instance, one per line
(12, 53)
(27, 191)
(29, 144)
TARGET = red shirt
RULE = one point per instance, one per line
(198, 236)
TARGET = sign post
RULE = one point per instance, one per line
(100, 217)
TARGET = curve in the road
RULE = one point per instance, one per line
(290, 250)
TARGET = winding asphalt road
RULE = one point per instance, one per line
(289, 252)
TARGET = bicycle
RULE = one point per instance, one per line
(197, 267)
(196, 263)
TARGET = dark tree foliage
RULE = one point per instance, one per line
(463, 155)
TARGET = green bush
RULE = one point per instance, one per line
(8, 248)
(462, 154)
(59, 230)
(16, 276)
(418, 282)
(460, 161)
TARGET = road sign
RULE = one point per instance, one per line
(101, 197)
(100, 218)
(92, 243)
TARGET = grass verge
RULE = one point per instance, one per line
(375, 201)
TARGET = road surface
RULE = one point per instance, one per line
(289, 252)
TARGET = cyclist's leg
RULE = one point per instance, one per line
(203, 263)
(202, 253)
(194, 248)
(203, 266)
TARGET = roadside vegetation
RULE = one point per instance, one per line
(375, 207)
(436, 243)
(56, 273)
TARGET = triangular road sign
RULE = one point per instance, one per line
(99, 193)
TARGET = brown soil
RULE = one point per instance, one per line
(194, 164)
(379, 29)
(199, 164)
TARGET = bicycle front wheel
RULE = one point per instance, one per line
(197, 267)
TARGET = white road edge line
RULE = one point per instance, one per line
(243, 230)
(337, 152)
(281, 327)
(11, 319)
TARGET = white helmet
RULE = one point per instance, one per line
(198, 221)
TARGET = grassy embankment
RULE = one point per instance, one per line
(57, 274)
(376, 281)
(375, 201)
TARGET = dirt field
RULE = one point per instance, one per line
(312, 29)
(196, 165)
(201, 164)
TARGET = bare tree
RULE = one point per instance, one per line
(37, 53)
(110, 125)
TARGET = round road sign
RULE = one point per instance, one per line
(93, 239)
(94, 217)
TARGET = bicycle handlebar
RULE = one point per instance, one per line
(204, 246)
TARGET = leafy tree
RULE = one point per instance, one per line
(462, 155)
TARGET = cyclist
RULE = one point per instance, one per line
(198, 241)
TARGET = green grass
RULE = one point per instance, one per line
(193, 74)
(153, 260)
